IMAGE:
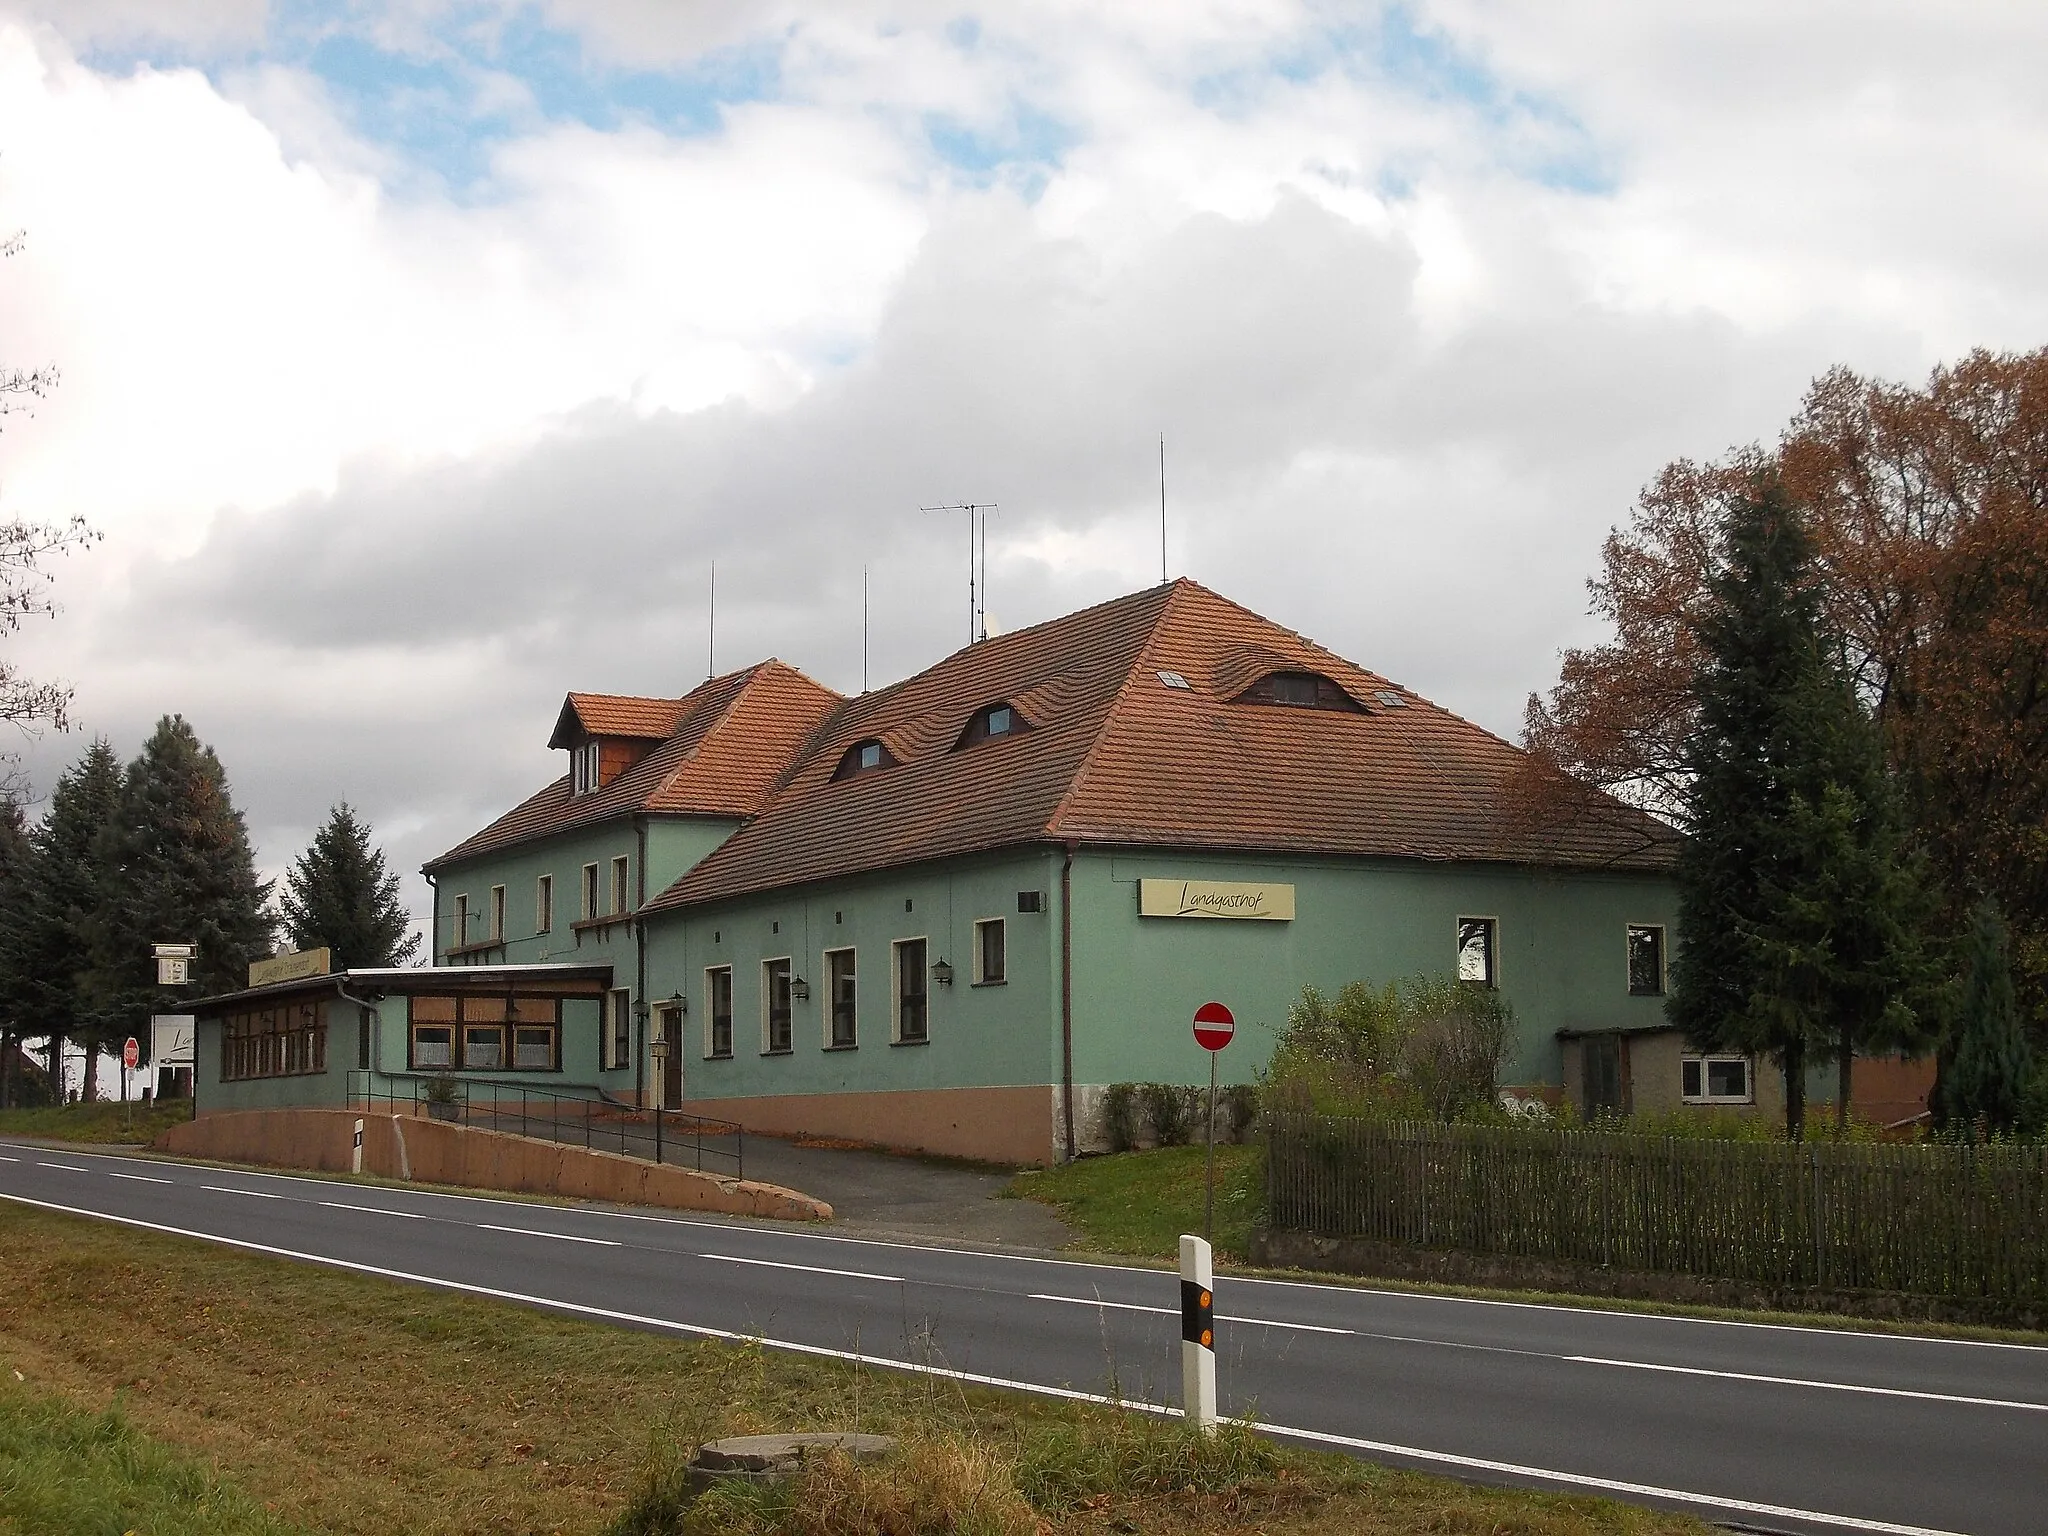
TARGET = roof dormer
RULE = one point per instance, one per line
(1300, 690)
(999, 719)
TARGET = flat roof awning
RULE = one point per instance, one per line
(566, 980)
(1568, 1033)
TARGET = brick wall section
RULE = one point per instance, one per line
(435, 1152)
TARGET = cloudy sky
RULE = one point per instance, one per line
(419, 357)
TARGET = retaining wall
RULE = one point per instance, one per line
(436, 1152)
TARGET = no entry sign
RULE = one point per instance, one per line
(1214, 1026)
(131, 1053)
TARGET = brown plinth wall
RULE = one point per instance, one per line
(996, 1125)
(436, 1152)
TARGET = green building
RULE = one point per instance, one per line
(949, 913)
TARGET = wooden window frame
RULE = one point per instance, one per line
(458, 921)
(768, 1010)
(1491, 981)
(544, 904)
(1629, 959)
(621, 892)
(497, 914)
(981, 975)
(510, 1015)
(590, 892)
(832, 1010)
(899, 997)
(617, 1024)
(280, 1040)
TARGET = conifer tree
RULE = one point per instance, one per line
(65, 889)
(16, 872)
(1985, 1076)
(1797, 909)
(175, 865)
(338, 894)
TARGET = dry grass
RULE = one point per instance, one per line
(337, 1402)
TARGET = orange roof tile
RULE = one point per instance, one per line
(1115, 755)
(728, 741)
(615, 714)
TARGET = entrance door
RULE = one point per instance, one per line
(1602, 1062)
(669, 1023)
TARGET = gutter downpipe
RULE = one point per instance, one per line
(434, 928)
(640, 1013)
(1067, 995)
(376, 1023)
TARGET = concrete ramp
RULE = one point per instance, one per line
(437, 1152)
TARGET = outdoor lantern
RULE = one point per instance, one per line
(678, 1002)
(659, 1046)
(942, 973)
(800, 989)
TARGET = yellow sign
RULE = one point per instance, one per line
(1216, 898)
(296, 966)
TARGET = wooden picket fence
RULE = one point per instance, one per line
(1938, 1220)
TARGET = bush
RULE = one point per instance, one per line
(1166, 1106)
(1425, 1048)
(1120, 1116)
(1241, 1107)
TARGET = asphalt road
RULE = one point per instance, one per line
(1775, 1428)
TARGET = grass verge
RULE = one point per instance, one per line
(101, 1123)
(327, 1401)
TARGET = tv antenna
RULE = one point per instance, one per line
(1162, 509)
(977, 562)
(711, 627)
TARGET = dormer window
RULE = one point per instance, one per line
(1299, 690)
(584, 767)
(863, 757)
(993, 720)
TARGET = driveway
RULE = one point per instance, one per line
(879, 1193)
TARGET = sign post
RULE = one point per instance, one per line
(131, 1054)
(1213, 1028)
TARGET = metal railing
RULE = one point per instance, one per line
(588, 1118)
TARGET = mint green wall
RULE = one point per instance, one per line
(1138, 981)
(298, 1091)
(979, 1035)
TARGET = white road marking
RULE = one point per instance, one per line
(137, 1178)
(253, 1194)
(374, 1210)
(564, 1237)
(809, 1269)
(1250, 1322)
(1803, 1381)
(9, 1159)
(67, 1167)
(696, 1330)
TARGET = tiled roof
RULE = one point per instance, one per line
(615, 714)
(1116, 755)
(729, 740)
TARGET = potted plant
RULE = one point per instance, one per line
(441, 1101)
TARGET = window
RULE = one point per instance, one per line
(988, 952)
(618, 1029)
(912, 1015)
(774, 1006)
(497, 914)
(863, 757)
(995, 720)
(1299, 690)
(1715, 1080)
(364, 1029)
(585, 763)
(473, 1034)
(589, 892)
(1031, 901)
(286, 1040)
(459, 924)
(1645, 960)
(619, 886)
(839, 980)
(718, 989)
(544, 904)
(1478, 960)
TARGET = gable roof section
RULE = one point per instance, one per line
(615, 714)
(1117, 756)
(731, 738)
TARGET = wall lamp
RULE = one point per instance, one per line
(942, 973)
(799, 989)
(677, 1001)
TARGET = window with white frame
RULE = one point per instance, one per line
(1478, 951)
(913, 999)
(718, 1003)
(544, 904)
(620, 888)
(497, 914)
(458, 926)
(1717, 1080)
(1645, 960)
(618, 1029)
(990, 960)
(585, 764)
(841, 990)
(775, 1006)
(589, 892)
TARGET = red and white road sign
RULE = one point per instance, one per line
(131, 1053)
(1214, 1026)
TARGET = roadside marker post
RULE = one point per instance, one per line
(1197, 1333)
(356, 1157)
(1213, 1028)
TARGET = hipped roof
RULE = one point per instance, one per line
(728, 741)
(1114, 754)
